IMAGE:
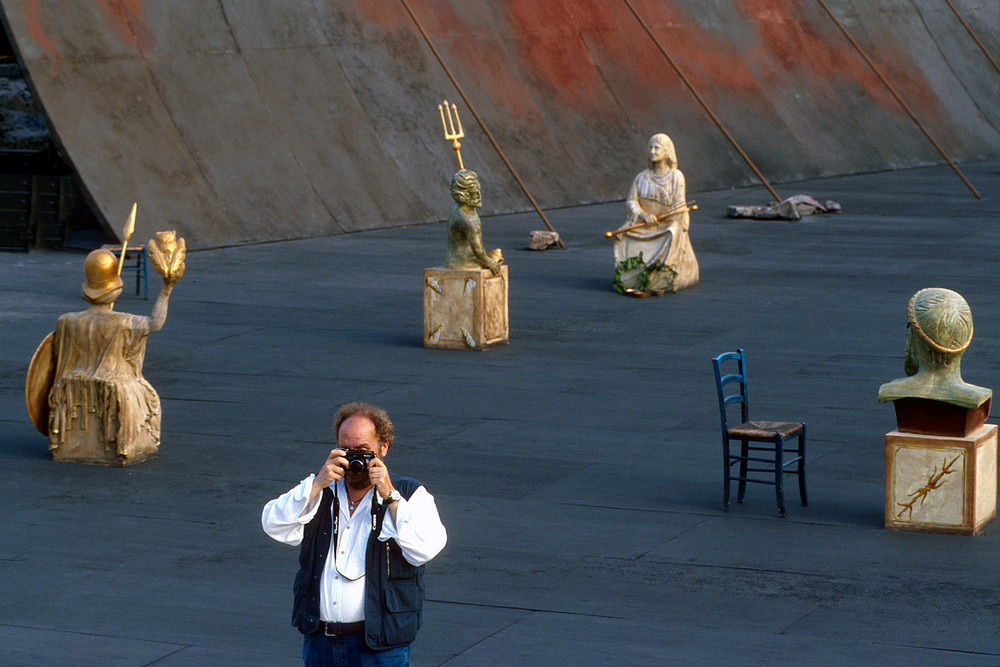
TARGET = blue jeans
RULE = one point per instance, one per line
(350, 651)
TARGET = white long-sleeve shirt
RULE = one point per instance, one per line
(417, 529)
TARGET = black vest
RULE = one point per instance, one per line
(394, 589)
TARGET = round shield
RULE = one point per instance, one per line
(41, 376)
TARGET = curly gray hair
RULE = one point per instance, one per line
(379, 417)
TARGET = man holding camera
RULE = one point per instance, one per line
(364, 536)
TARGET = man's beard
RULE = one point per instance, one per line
(358, 480)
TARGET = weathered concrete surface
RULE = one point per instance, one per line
(246, 120)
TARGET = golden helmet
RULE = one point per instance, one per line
(101, 269)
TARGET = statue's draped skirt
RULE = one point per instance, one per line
(99, 397)
(657, 256)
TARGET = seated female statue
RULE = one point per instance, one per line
(656, 256)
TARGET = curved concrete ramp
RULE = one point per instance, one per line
(238, 121)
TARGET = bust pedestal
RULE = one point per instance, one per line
(930, 417)
(465, 309)
(941, 483)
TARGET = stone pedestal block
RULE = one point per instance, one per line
(465, 309)
(941, 484)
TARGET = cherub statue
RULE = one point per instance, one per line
(655, 254)
(465, 235)
(939, 324)
(99, 408)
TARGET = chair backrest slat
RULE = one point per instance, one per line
(728, 394)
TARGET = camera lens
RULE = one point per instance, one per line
(356, 465)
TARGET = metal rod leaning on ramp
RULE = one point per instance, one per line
(899, 98)
(975, 37)
(486, 131)
(701, 101)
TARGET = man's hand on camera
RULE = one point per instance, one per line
(379, 475)
(332, 470)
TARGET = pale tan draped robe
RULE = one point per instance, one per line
(667, 256)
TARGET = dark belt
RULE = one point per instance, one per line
(340, 629)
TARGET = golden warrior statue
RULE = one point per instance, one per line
(85, 388)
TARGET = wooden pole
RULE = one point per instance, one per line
(486, 131)
(898, 97)
(701, 101)
(975, 37)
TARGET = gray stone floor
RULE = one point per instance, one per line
(577, 469)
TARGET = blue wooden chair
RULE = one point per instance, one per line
(140, 257)
(751, 458)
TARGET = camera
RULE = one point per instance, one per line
(357, 459)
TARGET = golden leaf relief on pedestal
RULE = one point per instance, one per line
(936, 480)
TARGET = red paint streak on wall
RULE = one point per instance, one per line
(545, 49)
(559, 41)
(552, 54)
(36, 28)
(126, 18)
(794, 44)
(545, 54)
(708, 59)
(475, 53)
(391, 16)
(554, 51)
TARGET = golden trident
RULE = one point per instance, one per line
(449, 128)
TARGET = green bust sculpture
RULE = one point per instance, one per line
(939, 324)
(465, 235)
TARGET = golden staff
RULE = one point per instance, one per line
(677, 209)
(127, 232)
(450, 133)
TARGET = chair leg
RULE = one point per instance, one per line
(779, 474)
(725, 474)
(744, 453)
(802, 468)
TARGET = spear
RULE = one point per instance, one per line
(127, 232)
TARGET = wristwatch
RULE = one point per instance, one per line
(392, 497)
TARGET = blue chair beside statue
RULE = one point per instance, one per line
(766, 462)
(136, 259)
